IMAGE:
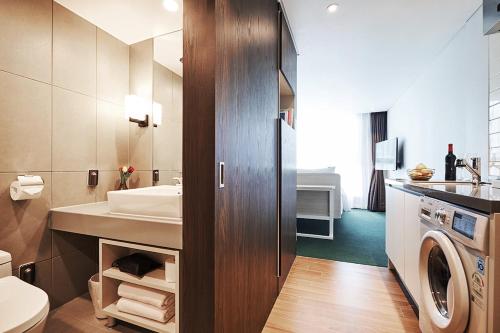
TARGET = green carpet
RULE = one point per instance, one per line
(359, 238)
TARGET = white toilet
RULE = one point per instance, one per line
(23, 307)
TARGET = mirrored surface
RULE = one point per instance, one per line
(167, 108)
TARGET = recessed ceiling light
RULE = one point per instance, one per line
(171, 5)
(332, 8)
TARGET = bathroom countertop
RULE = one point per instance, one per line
(483, 198)
(95, 220)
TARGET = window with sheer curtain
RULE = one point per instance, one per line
(341, 140)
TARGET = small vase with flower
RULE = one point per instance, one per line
(125, 173)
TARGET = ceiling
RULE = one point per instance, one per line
(366, 55)
(130, 21)
(168, 51)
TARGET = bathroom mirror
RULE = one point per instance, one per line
(167, 107)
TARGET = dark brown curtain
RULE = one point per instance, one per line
(376, 195)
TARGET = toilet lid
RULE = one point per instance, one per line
(5, 257)
(22, 305)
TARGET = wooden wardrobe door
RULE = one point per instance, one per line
(231, 96)
(288, 200)
(247, 143)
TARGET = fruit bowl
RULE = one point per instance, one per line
(420, 174)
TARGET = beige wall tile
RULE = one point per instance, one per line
(74, 131)
(112, 136)
(70, 274)
(141, 179)
(167, 138)
(26, 38)
(112, 68)
(25, 132)
(166, 177)
(141, 147)
(24, 224)
(67, 242)
(74, 52)
(108, 181)
(70, 188)
(43, 276)
(141, 84)
(141, 69)
(177, 86)
(162, 88)
(168, 146)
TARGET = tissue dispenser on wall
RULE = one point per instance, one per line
(26, 188)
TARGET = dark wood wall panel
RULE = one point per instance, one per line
(288, 200)
(246, 140)
(197, 257)
(229, 260)
(288, 55)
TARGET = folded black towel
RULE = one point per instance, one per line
(137, 264)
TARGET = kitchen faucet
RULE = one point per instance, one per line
(474, 169)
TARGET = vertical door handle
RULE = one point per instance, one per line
(221, 174)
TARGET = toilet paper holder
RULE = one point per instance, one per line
(26, 187)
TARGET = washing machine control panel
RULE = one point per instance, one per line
(467, 227)
(442, 216)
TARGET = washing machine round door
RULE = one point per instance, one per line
(445, 295)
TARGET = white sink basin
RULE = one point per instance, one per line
(158, 201)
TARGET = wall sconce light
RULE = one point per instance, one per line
(157, 114)
(171, 5)
(136, 109)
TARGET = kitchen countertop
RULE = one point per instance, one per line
(483, 198)
(94, 219)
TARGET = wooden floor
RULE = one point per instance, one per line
(319, 296)
(77, 316)
(330, 296)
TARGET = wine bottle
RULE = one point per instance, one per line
(450, 168)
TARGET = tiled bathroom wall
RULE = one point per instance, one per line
(141, 138)
(62, 88)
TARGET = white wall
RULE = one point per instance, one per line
(447, 104)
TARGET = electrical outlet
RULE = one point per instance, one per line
(27, 272)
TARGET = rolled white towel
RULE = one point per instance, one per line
(29, 180)
(145, 310)
(146, 295)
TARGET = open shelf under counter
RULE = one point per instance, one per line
(154, 279)
(111, 278)
(112, 311)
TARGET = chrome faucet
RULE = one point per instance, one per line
(474, 169)
(178, 181)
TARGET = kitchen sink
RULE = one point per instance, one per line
(156, 201)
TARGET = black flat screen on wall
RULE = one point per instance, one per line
(386, 155)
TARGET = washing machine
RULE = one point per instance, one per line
(454, 268)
